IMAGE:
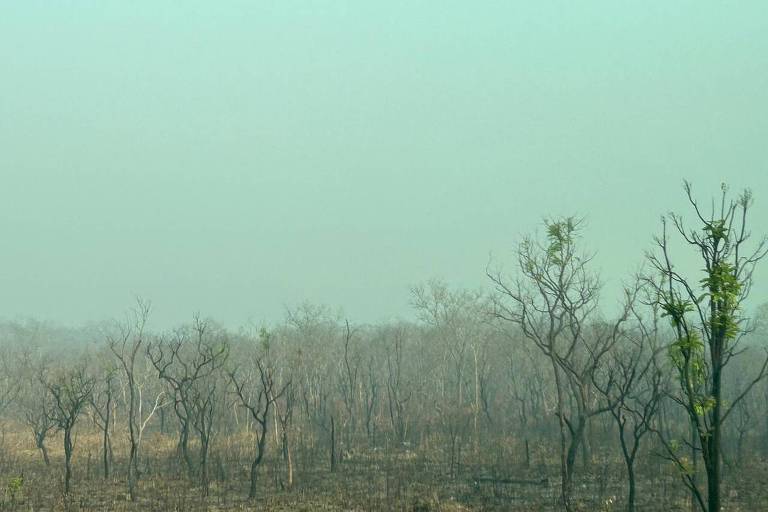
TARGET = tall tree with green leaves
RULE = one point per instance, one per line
(707, 317)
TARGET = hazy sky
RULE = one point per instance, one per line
(234, 157)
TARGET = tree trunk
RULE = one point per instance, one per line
(631, 497)
(713, 444)
(527, 454)
(287, 458)
(573, 449)
(586, 445)
(132, 476)
(183, 449)
(204, 442)
(254, 475)
(629, 459)
(333, 445)
(290, 469)
(694, 461)
(40, 442)
(134, 450)
(565, 473)
(67, 459)
(105, 448)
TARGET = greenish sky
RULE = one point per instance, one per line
(234, 157)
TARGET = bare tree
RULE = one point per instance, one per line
(187, 363)
(37, 409)
(399, 392)
(70, 391)
(459, 320)
(10, 384)
(203, 398)
(349, 381)
(633, 385)
(102, 405)
(257, 394)
(126, 346)
(284, 412)
(371, 396)
(34, 403)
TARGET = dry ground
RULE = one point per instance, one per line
(385, 478)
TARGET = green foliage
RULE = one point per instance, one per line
(687, 351)
(15, 486)
(723, 288)
(716, 231)
(687, 354)
(704, 404)
(686, 466)
(675, 309)
(561, 234)
(682, 349)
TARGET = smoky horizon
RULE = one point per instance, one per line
(234, 159)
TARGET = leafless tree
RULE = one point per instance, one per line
(70, 391)
(349, 380)
(399, 392)
(102, 406)
(284, 412)
(371, 390)
(258, 395)
(126, 345)
(459, 319)
(188, 362)
(633, 384)
(35, 403)
(10, 384)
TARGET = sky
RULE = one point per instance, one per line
(236, 158)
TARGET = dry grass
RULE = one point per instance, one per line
(381, 479)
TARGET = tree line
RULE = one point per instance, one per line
(672, 369)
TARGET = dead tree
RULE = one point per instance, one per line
(526, 385)
(632, 384)
(10, 384)
(284, 413)
(186, 362)
(35, 403)
(458, 319)
(397, 393)
(70, 391)
(257, 395)
(102, 403)
(349, 381)
(456, 421)
(314, 333)
(126, 345)
(41, 421)
(203, 398)
(371, 396)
